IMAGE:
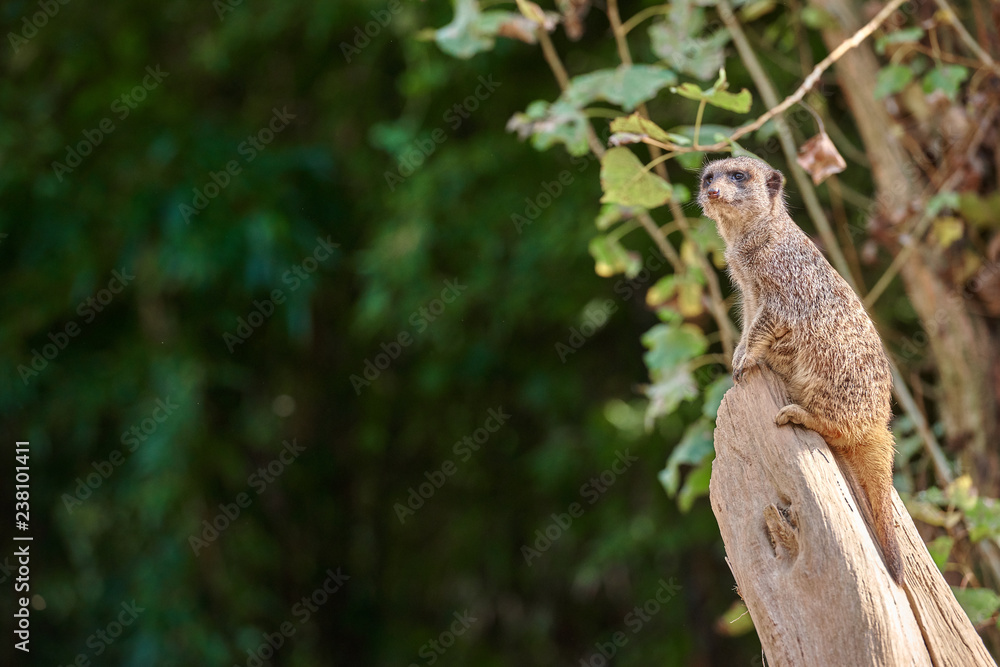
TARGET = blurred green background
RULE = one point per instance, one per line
(277, 398)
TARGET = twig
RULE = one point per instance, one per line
(944, 55)
(667, 250)
(642, 15)
(697, 124)
(619, 31)
(810, 81)
(965, 36)
(843, 226)
(552, 58)
(931, 445)
(556, 65)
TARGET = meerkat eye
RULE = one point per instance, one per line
(708, 179)
(738, 176)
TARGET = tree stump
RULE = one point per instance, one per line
(807, 566)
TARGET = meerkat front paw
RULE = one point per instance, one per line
(738, 354)
(794, 414)
(741, 368)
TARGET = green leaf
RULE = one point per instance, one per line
(946, 78)
(933, 495)
(531, 11)
(947, 230)
(695, 446)
(739, 102)
(471, 31)
(625, 181)
(677, 40)
(701, 57)
(692, 161)
(662, 291)
(962, 494)
(681, 192)
(627, 86)
(706, 133)
(983, 519)
(611, 257)
(609, 215)
(980, 211)
(941, 201)
(939, 549)
(979, 603)
(695, 486)
(929, 513)
(636, 124)
(668, 392)
(754, 10)
(891, 80)
(903, 36)
(714, 393)
(689, 293)
(671, 346)
(628, 419)
(817, 19)
(550, 124)
(706, 235)
(913, 34)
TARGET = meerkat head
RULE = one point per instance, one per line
(738, 191)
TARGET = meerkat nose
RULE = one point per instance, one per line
(712, 193)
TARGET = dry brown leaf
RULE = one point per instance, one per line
(820, 158)
(573, 12)
(518, 27)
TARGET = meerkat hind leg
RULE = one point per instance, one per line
(796, 414)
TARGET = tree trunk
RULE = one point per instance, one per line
(808, 568)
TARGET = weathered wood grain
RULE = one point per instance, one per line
(805, 562)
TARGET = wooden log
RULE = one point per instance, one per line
(805, 562)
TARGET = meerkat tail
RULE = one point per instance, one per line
(871, 462)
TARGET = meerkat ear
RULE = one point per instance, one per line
(774, 180)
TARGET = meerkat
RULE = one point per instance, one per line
(803, 321)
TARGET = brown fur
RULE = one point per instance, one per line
(802, 320)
